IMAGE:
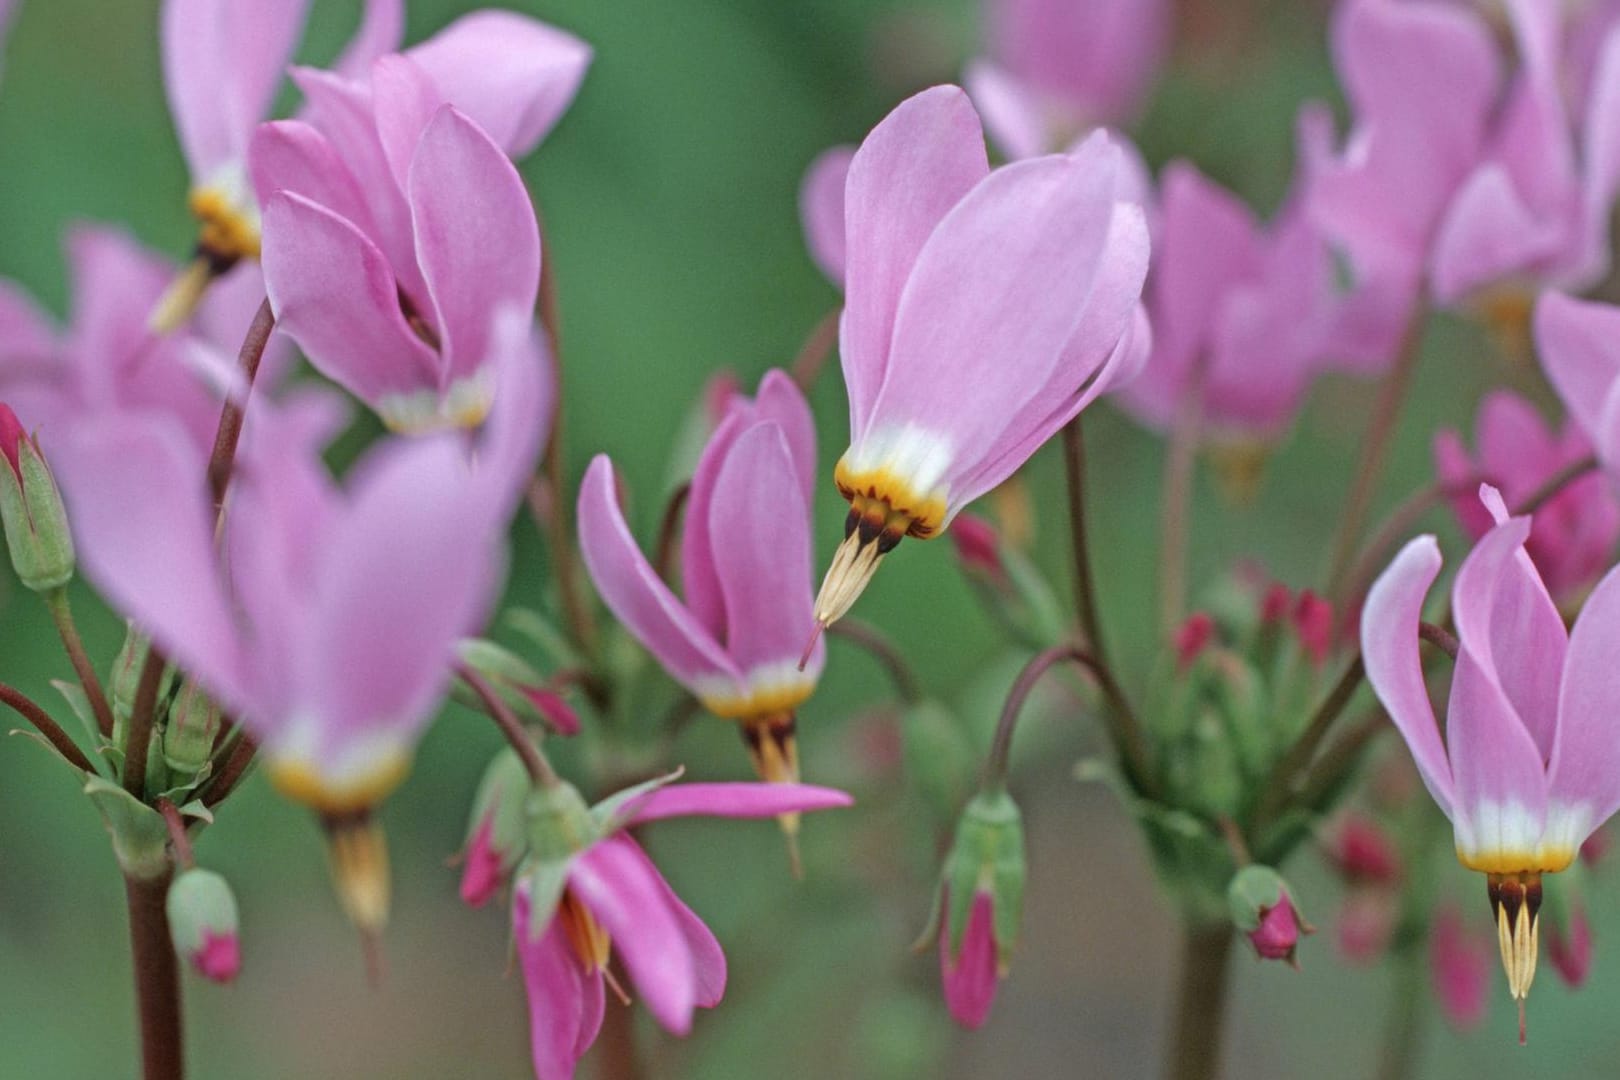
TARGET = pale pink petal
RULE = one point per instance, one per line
(381, 30)
(1576, 340)
(477, 241)
(1099, 57)
(620, 887)
(910, 171)
(969, 978)
(26, 332)
(1488, 234)
(565, 1001)
(116, 283)
(821, 210)
(708, 960)
(1389, 643)
(732, 800)
(520, 419)
(1454, 467)
(700, 580)
(515, 76)
(632, 590)
(1501, 781)
(780, 401)
(995, 298)
(290, 155)
(762, 554)
(222, 63)
(1584, 771)
(404, 100)
(1601, 163)
(1013, 112)
(332, 290)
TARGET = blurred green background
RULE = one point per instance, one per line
(669, 194)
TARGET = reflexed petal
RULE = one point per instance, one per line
(290, 155)
(733, 800)
(821, 210)
(623, 891)
(1501, 781)
(632, 590)
(515, 76)
(1602, 160)
(700, 580)
(781, 401)
(1012, 111)
(477, 241)
(1576, 340)
(1585, 769)
(708, 960)
(381, 30)
(565, 1001)
(910, 171)
(26, 332)
(1389, 643)
(1097, 57)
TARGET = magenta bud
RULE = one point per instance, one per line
(978, 546)
(482, 869)
(969, 978)
(1277, 936)
(1313, 622)
(1192, 638)
(1460, 969)
(1364, 854)
(12, 436)
(203, 922)
(1275, 604)
(553, 709)
(1261, 908)
(1569, 946)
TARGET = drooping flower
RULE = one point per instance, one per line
(736, 639)
(309, 619)
(1580, 353)
(1057, 69)
(1459, 970)
(983, 311)
(1575, 530)
(1528, 768)
(599, 892)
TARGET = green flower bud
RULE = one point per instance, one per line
(497, 834)
(203, 923)
(558, 822)
(188, 738)
(987, 856)
(31, 509)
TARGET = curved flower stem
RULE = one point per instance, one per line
(1555, 486)
(1395, 528)
(62, 615)
(25, 707)
(1118, 715)
(157, 978)
(178, 838)
(1392, 395)
(877, 644)
(229, 432)
(540, 770)
(995, 766)
(1195, 1047)
(812, 356)
(231, 773)
(1439, 637)
(1180, 466)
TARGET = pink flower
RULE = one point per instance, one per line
(1277, 936)
(735, 641)
(309, 618)
(387, 255)
(570, 913)
(821, 210)
(1528, 768)
(1056, 68)
(978, 547)
(1575, 530)
(1580, 353)
(983, 311)
(1459, 969)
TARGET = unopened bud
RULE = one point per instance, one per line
(1262, 910)
(31, 509)
(188, 738)
(557, 822)
(497, 834)
(1192, 637)
(1364, 854)
(1313, 622)
(978, 547)
(1275, 603)
(203, 923)
(982, 901)
(520, 685)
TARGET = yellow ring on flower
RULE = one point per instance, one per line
(299, 781)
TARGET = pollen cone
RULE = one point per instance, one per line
(358, 855)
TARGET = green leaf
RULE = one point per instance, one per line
(140, 836)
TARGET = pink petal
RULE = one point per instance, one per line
(708, 960)
(1460, 969)
(1013, 111)
(290, 155)
(1584, 771)
(1389, 643)
(733, 800)
(26, 332)
(632, 590)
(762, 552)
(1601, 159)
(700, 578)
(404, 100)
(476, 237)
(621, 889)
(780, 401)
(821, 210)
(1098, 57)
(910, 171)
(969, 978)
(333, 292)
(515, 76)
(995, 297)
(381, 30)
(1488, 234)
(222, 64)
(1454, 466)
(1576, 342)
(565, 1002)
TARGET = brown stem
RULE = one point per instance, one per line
(229, 432)
(178, 838)
(556, 522)
(231, 773)
(62, 615)
(25, 707)
(1374, 448)
(540, 770)
(157, 978)
(1180, 465)
(1118, 715)
(813, 354)
(995, 766)
(1555, 485)
(1439, 637)
(142, 716)
(668, 532)
(1195, 1047)
(1280, 784)
(880, 648)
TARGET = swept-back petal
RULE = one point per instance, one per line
(1389, 643)
(733, 800)
(1576, 342)
(1584, 774)
(381, 31)
(969, 978)
(565, 1001)
(290, 155)
(1013, 111)
(918, 163)
(1501, 780)
(821, 210)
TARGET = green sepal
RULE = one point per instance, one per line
(35, 522)
(1255, 889)
(547, 879)
(31, 734)
(79, 704)
(608, 814)
(558, 822)
(988, 856)
(502, 798)
(140, 836)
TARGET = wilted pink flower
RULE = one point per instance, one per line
(1459, 970)
(1528, 768)
(1277, 936)
(983, 310)
(821, 210)
(309, 618)
(1580, 352)
(736, 639)
(1057, 69)
(1576, 529)
(1569, 945)
(610, 895)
